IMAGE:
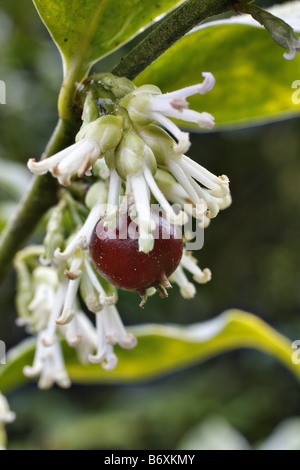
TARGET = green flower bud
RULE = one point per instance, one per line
(97, 194)
(123, 87)
(138, 102)
(132, 155)
(165, 180)
(160, 142)
(90, 109)
(136, 109)
(118, 86)
(106, 131)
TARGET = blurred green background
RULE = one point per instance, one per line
(252, 249)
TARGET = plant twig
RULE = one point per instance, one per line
(189, 15)
(41, 195)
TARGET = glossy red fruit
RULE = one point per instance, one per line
(116, 256)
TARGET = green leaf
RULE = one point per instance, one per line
(253, 80)
(85, 31)
(165, 349)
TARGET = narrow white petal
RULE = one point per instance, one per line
(190, 263)
(42, 167)
(82, 238)
(48, 336)
(180, 218)
(187, 289)
(184, 181)
(101, 352)
(142, 202)
(72, 162)
(183, 137)
(69, 305)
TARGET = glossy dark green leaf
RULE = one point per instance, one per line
(85, 31)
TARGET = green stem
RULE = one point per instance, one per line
(189, 15)
(43, 191)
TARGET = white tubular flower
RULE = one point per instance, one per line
(92, 141)
(48, 336)
(110, 331)
(6, 416)
(148, 104)
(189, 263)
(132, 157)
(45, 283)
(49, 365)
(104, 298)
(77, 158)
(114, 194)
(136, 164)
(69, 306)
(141, 196)
(81, 334)
(81, 239)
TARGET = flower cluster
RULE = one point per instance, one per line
(6, 417)
(134, 154)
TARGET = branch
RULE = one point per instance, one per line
(185, 18)
(43, 191)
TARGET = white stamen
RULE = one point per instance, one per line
(212, 203)
(219, 186)
(184, 181)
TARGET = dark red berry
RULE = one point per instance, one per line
(116, 256)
